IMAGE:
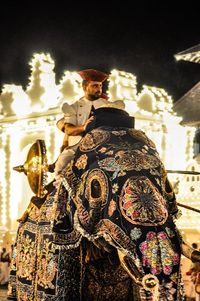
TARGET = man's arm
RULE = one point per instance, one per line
(75, 130)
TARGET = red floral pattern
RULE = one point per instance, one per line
(141, 202)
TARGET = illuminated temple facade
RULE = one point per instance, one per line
(31, 113)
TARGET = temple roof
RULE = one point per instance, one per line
(188, 107)
(191, 54)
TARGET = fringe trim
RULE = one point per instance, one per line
(69, 247)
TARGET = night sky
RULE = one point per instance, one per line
(141, 41)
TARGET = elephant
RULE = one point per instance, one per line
(125, 209)
(110, 223)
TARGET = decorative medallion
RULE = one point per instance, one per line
(141, 202)
(97, 177)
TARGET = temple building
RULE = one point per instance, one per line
(31, 113)
(191, 54)
(188, 107)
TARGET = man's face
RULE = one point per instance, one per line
(93, 90)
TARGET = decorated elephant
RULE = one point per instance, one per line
(125, 210)
(110, 223)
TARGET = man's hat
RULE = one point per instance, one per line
(93, 75)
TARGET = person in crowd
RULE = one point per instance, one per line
(4, 266)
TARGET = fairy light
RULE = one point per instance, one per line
(146, 100)
(3, 181)
(122, 85)
(70, 87)
(21, 102)
(192, 57)
(42, 88)
(15, 181)
(3, 187)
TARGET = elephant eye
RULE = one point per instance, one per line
(95, 189)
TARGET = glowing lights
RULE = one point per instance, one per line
(191, 54)
(122, 85)
(154, 99)
(70, 88)
(192, 57)
(21, 102)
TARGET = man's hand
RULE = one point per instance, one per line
(87, 122)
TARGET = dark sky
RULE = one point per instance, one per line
(141, 41)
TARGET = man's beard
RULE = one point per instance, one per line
(93, 97)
